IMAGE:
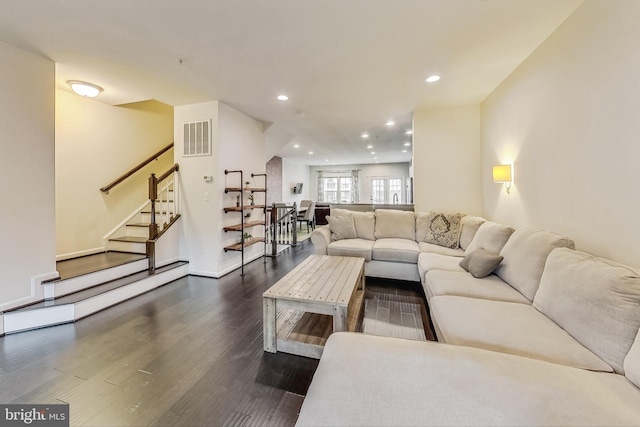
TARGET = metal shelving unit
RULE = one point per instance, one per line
(239, 247)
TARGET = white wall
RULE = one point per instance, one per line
(95, 144)
(27, 235)
(568, 118)
(446, 159)
(367, 171)
(292, 173)
(237, 144)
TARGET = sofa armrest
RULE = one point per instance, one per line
(321, 237)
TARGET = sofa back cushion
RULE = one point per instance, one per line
(632, 362)
(391, 223)
(595, 300)
(490, 236)
(525, 254)
(470, 225)
(364, 222)
(422, 225)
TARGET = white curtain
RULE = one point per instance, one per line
(320, 197)
(355, 185)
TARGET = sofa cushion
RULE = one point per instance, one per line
(398, 250)
(595, 300)
(422, 224)
(491, 236)
(342, 227)
(470, 225)
(524, 257)
(437, 249)
(461, 283)
(632, 362)
(444, 229)
(480, 262)
(511, 328)
(351, 247)
(428, 261)
(430, 384)
(364, 222)
(391, 223)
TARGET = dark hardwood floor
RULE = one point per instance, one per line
(186, 354)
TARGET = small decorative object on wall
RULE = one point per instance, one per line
(246, 184)
(503, 174)
(251, 197)
(237, 201)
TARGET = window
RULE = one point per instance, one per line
(338, 187)
(387, 190)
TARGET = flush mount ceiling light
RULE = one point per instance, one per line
(84, 89)
(283, 97)
(432, 79)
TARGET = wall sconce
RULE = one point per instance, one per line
(502, 175)
(84, 89)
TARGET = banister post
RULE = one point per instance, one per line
(274, 239)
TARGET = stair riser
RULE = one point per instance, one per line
(136, 231)
(136, 248)
(75, 284)
(146, 218)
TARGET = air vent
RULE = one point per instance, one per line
(197, 138)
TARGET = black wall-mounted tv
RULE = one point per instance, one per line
(298, 188)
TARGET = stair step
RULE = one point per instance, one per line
(75, 306)
(130, 239)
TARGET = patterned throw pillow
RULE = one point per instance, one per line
(342, 227)
(444, 229)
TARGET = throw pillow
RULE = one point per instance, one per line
(444, 229)
(480, 262)
(342, 227)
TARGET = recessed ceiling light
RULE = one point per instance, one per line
(404, 151)
(406, 144)
(375, 158)
(310, 152)
(88, 90)
(326, 160)
(369, 147)
(283, 97)
(409, 132)
(296, 145)
(373, 152)
(432, 79)
(391, 123)
(365, 135)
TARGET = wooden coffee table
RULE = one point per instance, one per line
(323, 294)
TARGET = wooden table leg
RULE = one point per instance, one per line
(269, 324)
(339, 318)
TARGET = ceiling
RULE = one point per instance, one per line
(348, 66)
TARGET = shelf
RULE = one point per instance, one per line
(252, 189)
(248, 242)
(238, 209)
(238, 227)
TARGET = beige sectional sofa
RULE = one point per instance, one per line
(549, 336)
(390, 241)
